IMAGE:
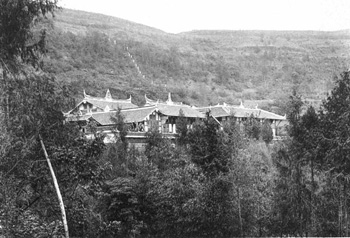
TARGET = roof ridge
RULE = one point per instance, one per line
(94, 113)
(175, 104)
(109, 100)
(138, 108)
(210, 106)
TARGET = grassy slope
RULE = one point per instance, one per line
(201, 67)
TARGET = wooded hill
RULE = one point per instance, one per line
(95, 52)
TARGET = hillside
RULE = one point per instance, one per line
(95, 52)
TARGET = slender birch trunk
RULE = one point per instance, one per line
(64, 218)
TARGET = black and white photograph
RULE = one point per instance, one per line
(174, 119)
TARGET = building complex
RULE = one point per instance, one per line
(156, 114)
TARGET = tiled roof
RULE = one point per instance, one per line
(170, 108)
(77, 117)
(271, 115)
(226, 110)
(103, 118)
(106, 102)
(215, 111)
(258, 113)
(243, 112)
(130, 115)
(112, 104)
(174, 110)
(138, 114)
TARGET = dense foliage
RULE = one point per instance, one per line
(312, 186)
(31, 108)
(217, 184)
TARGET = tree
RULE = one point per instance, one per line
(313, 166)
(158, 149)
(309, 124)
(333, 139)
(292, 195)
(7, 184)
(334, 118)
(204, 146)
(252, 127)
(58, 191)
(266, 132)
(35, 109)
(17, 43)
(181, 128)
(17, 19)
(118, 151)
(32, 104)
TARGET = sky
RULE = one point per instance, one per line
(174, 16)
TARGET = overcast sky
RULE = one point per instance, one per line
(176, 16)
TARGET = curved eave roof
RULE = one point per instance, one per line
(215, 111)
(137, 114)
(77, 117)
(115, 104)
(258, 113)
(102, 103)
(174, 110)
(130, 115)
(240, 112)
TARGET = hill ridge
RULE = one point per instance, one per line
(199, 67)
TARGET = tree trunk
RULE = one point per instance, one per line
(340, 214)
(240, 212)
(6, 213)
(259, 217)
(346, 210)
(64, 218)
(313, 217)
(5, 97)
(300, 202)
